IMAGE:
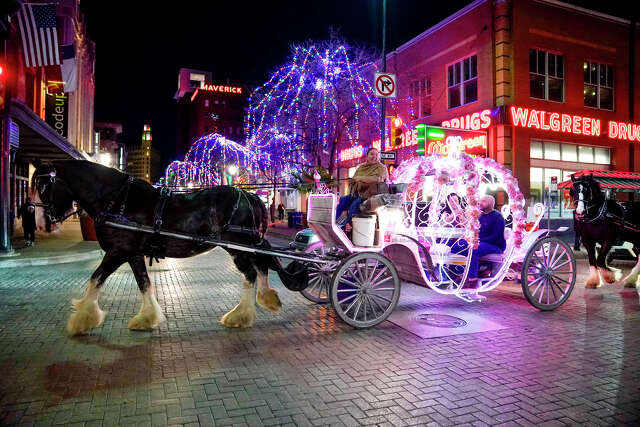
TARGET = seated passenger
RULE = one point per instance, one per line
(366, 182)
(492, 241)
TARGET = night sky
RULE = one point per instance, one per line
(140, 46)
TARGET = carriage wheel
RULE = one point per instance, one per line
(548, 273)
(365, 289)
(320, 275)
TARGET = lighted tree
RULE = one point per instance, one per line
(321, 96)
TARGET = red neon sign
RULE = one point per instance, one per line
(475, 121)
(555, 122)
(408, 138)
(224, 89)
(475, 145)
(351, 153)
(624, 131)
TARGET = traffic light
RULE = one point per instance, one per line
(396, 131)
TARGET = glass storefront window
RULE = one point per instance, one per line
(540, 180)
(569, 153)
(551, 151)
(602, 156)
(536, 150)
(585, 154)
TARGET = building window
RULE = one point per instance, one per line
(598, 85)
(569, 152)
(462, 82)
(425, 97)
(206, 102)
(546, 75)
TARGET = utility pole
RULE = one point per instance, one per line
(384, 69)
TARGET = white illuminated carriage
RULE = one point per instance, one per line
(426, 234)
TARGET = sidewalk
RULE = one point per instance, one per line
(62, 246)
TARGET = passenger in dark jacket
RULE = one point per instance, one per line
(28, 213)
(491, 237)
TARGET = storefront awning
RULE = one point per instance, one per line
(618, 180)
(37, 140)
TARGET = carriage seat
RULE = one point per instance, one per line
(498, 258)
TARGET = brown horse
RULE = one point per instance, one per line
(223, 212)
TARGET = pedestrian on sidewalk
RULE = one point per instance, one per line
(280, 211)
(28, 213)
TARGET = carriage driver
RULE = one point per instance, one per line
(492, 241)
(366, 182)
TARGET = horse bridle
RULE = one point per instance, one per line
(49, 208)
(589, 204)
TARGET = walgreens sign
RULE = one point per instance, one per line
(574, 124)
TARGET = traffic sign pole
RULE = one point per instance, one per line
(384, 70)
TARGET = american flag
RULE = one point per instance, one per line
(39, 36)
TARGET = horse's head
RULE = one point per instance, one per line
(52, 194)
(586, 195)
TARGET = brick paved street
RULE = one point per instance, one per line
(577, 365)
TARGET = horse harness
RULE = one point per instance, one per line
(155, 247)
(603, 213)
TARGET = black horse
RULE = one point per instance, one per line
(604, 221)
(222, 212)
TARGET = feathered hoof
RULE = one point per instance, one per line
(592, 282)
(145, 321)
(607, 275)
(239, 317)
(270, 300)
(86, 315)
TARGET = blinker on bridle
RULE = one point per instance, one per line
(49, 209)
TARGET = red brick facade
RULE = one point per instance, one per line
(500, 33)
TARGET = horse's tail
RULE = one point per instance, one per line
(294, 276)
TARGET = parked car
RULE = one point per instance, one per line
(304, 239)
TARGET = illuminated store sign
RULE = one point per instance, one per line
(432, 140)
(475, 121)
(224, 89)
(624, 131)
(555, 122)
(351, 153)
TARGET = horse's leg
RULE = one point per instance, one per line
(150, 314)
(631, 281)
(86, 312)
(243, 314)
(607, 275)
(267, 296)
(593, 281)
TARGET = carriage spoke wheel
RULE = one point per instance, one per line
(365, 289)
(548, 273)
(320, 275)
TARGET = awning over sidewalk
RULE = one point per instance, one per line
(618, 180)
(37, 140)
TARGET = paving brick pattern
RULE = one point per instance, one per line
(577, 365)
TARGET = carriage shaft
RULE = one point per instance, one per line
(214, 242)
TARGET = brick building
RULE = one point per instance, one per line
(205, 107)
(555, 86)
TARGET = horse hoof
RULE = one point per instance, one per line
(86, 316)
(238, 318)
(269, 299)
(592, 283)
(143, 322)
(607, 276)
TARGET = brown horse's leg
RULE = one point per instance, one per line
(593, 281)
(267, 296)
(87, 313)
(150, 314)
(607, 275)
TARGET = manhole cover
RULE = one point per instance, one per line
(440, 320)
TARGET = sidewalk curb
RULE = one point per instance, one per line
(56, 259)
